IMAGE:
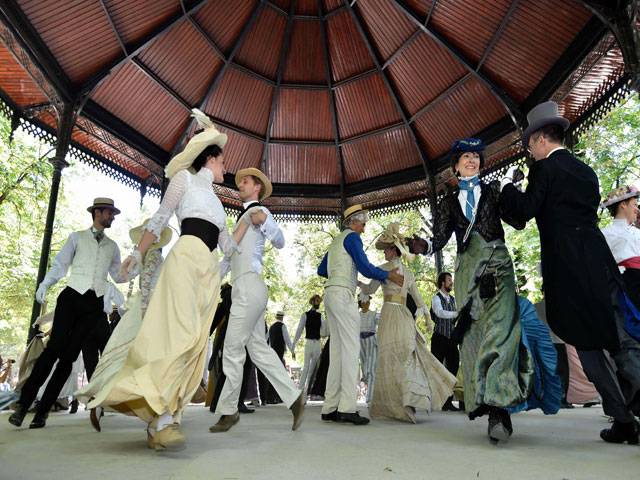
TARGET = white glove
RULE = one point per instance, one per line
(509, 177)
(429, 324)
(41, 293)
(135, 263)
(422, 312)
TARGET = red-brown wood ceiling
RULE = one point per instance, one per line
(278, 107)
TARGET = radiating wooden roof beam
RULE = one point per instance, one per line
(392, 93)
(134, 48)
(511, 106)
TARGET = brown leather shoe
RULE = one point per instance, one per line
(169, 438)
(225, 423)
(298, 411)
(94, 417)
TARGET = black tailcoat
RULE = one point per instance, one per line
(579, 272)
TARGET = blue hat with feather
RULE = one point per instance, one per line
(466, 145)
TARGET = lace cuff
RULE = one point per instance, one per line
(226, 243)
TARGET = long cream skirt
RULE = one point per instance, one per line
(408, 376)
(164, 364)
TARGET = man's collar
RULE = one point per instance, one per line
(555, 150)
(249, 202)
(620, 222)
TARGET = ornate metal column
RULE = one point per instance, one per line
(433, 205)
(67, 117)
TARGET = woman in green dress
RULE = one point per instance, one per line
(497, 368)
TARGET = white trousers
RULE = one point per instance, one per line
(344, 350)
(368, 358)
(246, 329)
(312, 351)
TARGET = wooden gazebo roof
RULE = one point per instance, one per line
(337, 101)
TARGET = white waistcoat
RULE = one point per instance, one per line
(341, 268)
(241, 262)
(91, 263)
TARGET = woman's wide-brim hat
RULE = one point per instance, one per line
(209, 136)
(135, 234)
(254, 172)
(352, 210)
(620, 195)
(540, 116)
(102, 203)
(391, 237)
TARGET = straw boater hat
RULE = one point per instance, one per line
(280, 314)
(352, 210)
(209, 136)
(540, 116)
(135, 234)
(103, 202)
(391, 237)
(620, 195)
(254, 172)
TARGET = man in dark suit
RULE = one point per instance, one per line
(581, 279)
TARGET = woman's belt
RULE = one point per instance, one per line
(395, 299)
(204, 230)
(633, 263)
(364, 335)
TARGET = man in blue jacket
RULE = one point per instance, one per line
(340, 266)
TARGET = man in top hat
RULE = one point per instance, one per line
(249, 298)
(311, 323)
(91, 255)
(581, 278)
(624, 239)
(340, 266)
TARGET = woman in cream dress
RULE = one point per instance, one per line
(408, 376)
(164, 364)
(115, 353)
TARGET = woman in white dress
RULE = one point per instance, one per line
(408, 377)
(164, 364)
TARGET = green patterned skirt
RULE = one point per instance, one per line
(497, 368)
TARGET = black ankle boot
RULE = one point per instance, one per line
(17, 417)
(39, 420)
(621, 432)
(74, 406)
(449, 406)
(500, 427)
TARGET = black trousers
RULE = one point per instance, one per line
(446, 351)
(620, 390)
(94, 344)
(75, 319)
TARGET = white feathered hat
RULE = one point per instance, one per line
(209, 136)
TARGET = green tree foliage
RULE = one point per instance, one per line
(25, 179)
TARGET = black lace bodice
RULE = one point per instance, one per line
(449, 218)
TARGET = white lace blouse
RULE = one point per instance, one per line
(192, 196)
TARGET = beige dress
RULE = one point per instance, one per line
(116, 351)
(165, 361)
(408, 376)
